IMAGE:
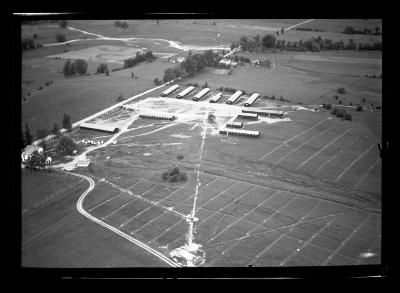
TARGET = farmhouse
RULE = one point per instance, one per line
(216, 98)
(170, 90)
(234, 124)
(185, 92)
(268, 113)
(160, 116)
(234, 97)
(240, 132)
(99, 127)
(251, 100)
(201, 94)
(29, 150)
(248, 116)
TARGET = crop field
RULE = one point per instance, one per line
(306, 192)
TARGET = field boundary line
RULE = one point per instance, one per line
(345, 240)
(203, 204)
(110, 199)
(286, 141)
(265, 250)
(305, 243)
(237, 242)
(129, 238)
(317, 153)
(366, 173)
(355, 161)
(156, 217)
(303, 144)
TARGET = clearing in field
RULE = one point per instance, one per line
(103, 53)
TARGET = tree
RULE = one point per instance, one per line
(60, 37)
(69, 68)
(42, 133)
(120, 98)
(102, 68)
(268, 41)
(36, 161)
(157, 81)
(377, 29)
(55, 129)
(349, 30)
(66, 122)
(80, 66)
(35, 36)
(211, 118)
(27, 135)
(64, 24)
(66, 146)
(341, 90)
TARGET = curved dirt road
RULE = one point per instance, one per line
(82, 211)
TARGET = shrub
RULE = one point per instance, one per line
(340, 102)
(333, 112)
(347, 116)
(165, 175)
(102, 68)
(359, 108)
(179, 157)
(40, 88)
(91, 167)
(60, 38)
(341, 90)
(328, 106)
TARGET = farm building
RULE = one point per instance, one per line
(253, 98)
(234, 97)
(201, 94)
(129, 107)
(82, 163)
(160, 116)
(234, 124)
(29, 150)
(269, 113)
(248, 116)
(216, 98)
(99, 127)
(180, 59)
(240, 132)
(185, 92)
(170, 90)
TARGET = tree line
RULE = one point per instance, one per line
(314, 44)
(192, 64)
(366, 31)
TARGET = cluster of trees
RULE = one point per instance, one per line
(66, 146)
(366, 31)
(241, 59)
(315, 44)
(255, 43)
(61, 38)
(192, 64)
(63, 24)
(308, 29)
(121, 24)
(27, 137)
(130, 62)
(341, 113)
(27, 43)
(102, 68)
(174, 175)
(79, 66)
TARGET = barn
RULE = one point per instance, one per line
(234, 97)
(99, 127)
(252, 116)
(159, 116)
(251, 100)
(268, 113)
(201, 94)
(240, 132)
(170, 90)
(234, 124)
(185, 92)
(215, 98)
